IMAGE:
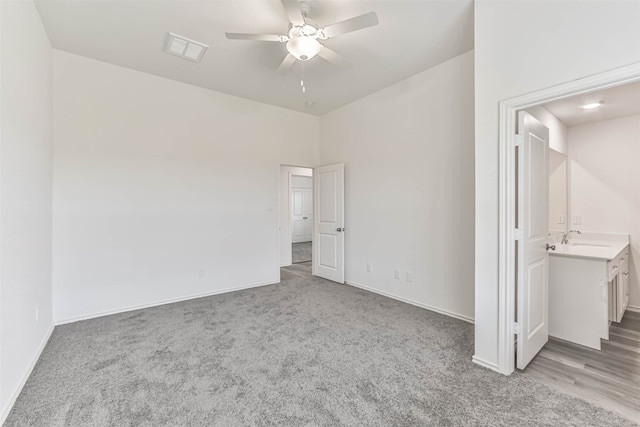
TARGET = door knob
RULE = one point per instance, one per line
(552, 247)
(339, 229)
(304, 217)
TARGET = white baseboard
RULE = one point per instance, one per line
(27, 374)
(633, 308)
(158, 303)
(409, 301)
(479, 361)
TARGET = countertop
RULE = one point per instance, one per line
(605, 250)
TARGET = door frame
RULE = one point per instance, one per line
(507, 192)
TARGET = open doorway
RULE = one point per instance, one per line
(323, 229)
(296, 215)
(584, 219)
(509, 231)
(301, 218)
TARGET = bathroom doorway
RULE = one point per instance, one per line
(509, 226)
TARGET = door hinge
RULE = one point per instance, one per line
(517, 328)
(518, 140)
(517, 234)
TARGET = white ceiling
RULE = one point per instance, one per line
(413, 35)
(619, 101)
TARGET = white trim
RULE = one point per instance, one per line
(506, 194)
(633, 308)
(278, 232)
(2, 414)
(27, 374)
(412, 302)
(485, 364)
(158, 303)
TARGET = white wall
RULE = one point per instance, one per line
(558, 192)
(557, 129)
(605, 183)
(523, 46)
(408, 155)
(298, 181)
(283, 214)
(162, 190)
(25, 195)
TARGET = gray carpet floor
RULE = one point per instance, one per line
(301, 252)
(305, 352)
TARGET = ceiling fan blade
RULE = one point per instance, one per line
(354, 24)
(333, 57)
(257, 37)
(293, 12)
(288, 61)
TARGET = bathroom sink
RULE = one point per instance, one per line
(591, 245)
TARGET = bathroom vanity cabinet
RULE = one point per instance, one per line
(588, 289)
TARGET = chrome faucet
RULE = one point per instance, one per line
(565, 236)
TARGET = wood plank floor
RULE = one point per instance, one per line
(296, 271)
(609, 378)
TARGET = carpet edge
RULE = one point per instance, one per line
(412, 302)
(159, 303)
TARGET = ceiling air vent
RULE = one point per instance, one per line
(184, 47)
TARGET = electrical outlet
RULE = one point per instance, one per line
(37, 314)
(369, 267)
(409, 276)
(577, 220)
(396, 274)
(561, 219)
(200, 273)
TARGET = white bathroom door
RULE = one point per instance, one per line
(328, 237)
(533, 225)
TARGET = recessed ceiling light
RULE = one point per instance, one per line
(184, 47)
(592, 105)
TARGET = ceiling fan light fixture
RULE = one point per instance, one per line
(304, 48)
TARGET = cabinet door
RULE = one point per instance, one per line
(625, 282)
(621, 295)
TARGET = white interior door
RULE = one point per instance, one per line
(297, 215)
(533, 223)
(301, 214)
(307, 214)
(328, 239)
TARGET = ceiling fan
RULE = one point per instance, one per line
(304, 35)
